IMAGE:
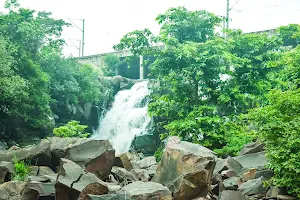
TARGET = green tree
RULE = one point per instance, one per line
(112, 62)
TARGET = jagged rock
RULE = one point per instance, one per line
(186, 168)
(267, 173)
(94, 189)
(72, 180)
(232, 183)
(34, 190)
(145, 143)
(152, 169)
(3, 146)
(147, 190)
(123, 161)
(286, 197)
(147, 162)
(141, 174)
(231, 195)
(227, 164)
(123, 175)
(249, 175)
(11, 188)
(253, 147)
(253, 187)
(40, 171)
(6, 170)
(228, 173)
(253, 160)
(96, 156)
(38, 154)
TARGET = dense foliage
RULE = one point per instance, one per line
(21, 170)
(71, 129)
(225, 92)
(35, 75)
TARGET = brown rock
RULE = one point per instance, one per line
(96, 156)
(186, 169)
(123, 176)
(249, 175)
(94, 189)
(123, 161)
(34, 190)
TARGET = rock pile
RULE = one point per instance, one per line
(87, 169)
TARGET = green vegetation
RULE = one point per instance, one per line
(35, 76)
(21, 170)
(112, 62)
(225, 92)
(71, 129)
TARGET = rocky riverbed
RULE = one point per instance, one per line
(88, 169)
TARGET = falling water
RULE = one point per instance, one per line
(127, 118)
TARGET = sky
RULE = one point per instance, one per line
(106, 21)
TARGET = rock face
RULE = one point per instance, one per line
(252, 187)
(96, 156)
(38, 154)
(11, 189)
(146, 190)
(186, 169)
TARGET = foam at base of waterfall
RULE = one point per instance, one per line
(126, 119)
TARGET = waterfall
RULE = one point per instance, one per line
(127, 118)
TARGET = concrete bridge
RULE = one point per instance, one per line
(137, 71)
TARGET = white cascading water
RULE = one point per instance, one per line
(126, 119)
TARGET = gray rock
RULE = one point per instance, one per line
(231, 195)
(146, 143)
(267, 173)
(72, 180)
(232, 183)
(38, 154)
(254, 160)
(147, 162)
(253, 147)
(227, 164)
(6, 170)
(96, 156)
(124, 161)
(109, 197)
(141, 174)
(147, 190)
(40, 171)
(253, 187)
(33, 190)
(186, 169)
(12, 188)
(3, 146)
(286, 197)
(123, 176)
(274, 191)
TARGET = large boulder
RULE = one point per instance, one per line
(147, 162)
(38, 154)
(186, 169)
(11, 189)
(96, 156)
(123, 176)
(72, 180)
(145, 143)
(146, 190)
(253, 160)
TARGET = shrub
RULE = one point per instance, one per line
(159, 153)
(71, 129)
(22, 170)
(279, 128)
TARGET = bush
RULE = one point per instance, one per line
(71, 129)
(279, 128)
(22, 170)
